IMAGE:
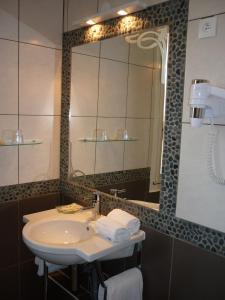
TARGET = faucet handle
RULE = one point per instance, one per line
(121, 191)
(113, 191)
(97, 193)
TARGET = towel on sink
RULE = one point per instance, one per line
(125, 219)
(111, 230)
(127, 285)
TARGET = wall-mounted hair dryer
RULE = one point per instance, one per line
(206, 101)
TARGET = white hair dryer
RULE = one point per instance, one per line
(206, 101)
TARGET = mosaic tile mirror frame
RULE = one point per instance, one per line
(174, 14)
(155, 16)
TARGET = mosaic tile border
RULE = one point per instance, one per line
(208, 239)
(103, 179)
(175, 14)
(27, 190)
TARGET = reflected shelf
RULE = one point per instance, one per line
(91, 140)
(27, 142)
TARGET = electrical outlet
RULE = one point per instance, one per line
(207, 27)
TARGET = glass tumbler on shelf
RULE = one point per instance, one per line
(19, 136)
(122, 134)
(119, 134)
(100, 134)
(125, 135)
(8, 136)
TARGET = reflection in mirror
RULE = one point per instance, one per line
(117, 114)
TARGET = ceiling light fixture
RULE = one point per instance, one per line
(122, 12)
(90, 22)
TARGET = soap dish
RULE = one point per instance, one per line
(68, 209)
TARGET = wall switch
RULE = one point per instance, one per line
(207, 27)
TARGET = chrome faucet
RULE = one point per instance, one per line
(97, 202)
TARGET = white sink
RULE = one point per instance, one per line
(54, 238)
(68, 240)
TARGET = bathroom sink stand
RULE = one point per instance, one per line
(48, 277)
(95, 273)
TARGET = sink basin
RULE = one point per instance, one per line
(54, 239)
(69, 240)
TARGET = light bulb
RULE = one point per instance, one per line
(90, 22)
(122, 12)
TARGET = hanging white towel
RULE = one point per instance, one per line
(127, 220)
(124, 286)
(111, 230)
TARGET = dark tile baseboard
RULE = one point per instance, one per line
(18, 277)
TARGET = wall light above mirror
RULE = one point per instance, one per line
(117, 113)
(107, 12)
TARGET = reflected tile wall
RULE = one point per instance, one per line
(9, 20)
(82, 154)
(9, 77)
(112, 82)
(84, 85)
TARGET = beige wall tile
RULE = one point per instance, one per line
(40, 162)
(41, 22)
(115, 48)
(199, 199)
(8, 165)
(141, 57)
(153, 2)
(112, 88)
(139, 92)
(9, 19)
(65, 23)
(137, 152)
(205, 59)
(92, 49)
(8, 154)
(204, 8)
(157, 104)
(109, 155)
(78, 10)
(82, 154)
(40, 80)
(105, 5)
(9, 77)
(84, 85)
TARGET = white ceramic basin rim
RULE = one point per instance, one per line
(56, 233)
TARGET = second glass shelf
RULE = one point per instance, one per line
(27, 142)
(91, 140)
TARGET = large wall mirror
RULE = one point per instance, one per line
(117, 112)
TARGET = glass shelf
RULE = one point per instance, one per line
(25, 143)
(90, 140)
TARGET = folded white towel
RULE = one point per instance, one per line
(127, 220)
(124, 286)
(111, 230)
